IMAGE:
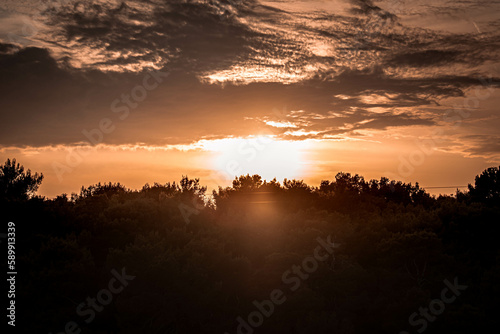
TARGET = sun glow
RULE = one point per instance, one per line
(263, 155)
(281, 124)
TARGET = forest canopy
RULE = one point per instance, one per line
(202, 262)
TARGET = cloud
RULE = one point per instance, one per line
(487, 146)
(231, 63)
(367, 7)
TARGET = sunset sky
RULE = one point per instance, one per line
(146, 91)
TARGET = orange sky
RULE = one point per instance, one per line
(218, 163)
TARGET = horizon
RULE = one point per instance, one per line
(213, 185)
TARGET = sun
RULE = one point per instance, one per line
(264, 155)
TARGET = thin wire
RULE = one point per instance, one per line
(445, 187)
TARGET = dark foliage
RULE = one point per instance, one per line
(16, 183)
(200, 261)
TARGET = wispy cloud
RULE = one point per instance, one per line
(359, 67)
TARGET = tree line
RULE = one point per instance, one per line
(396, 246)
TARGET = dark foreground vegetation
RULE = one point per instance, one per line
(209, 266)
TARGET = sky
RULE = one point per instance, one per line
(147, 91)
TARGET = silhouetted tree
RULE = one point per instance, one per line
(487, 186)
(16, 183)
(396, 244)
(107, 189)
(247, 182)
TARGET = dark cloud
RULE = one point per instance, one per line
(482, 145)
(425, 58)
(191, 34)
(336, 74)
(368, 7)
